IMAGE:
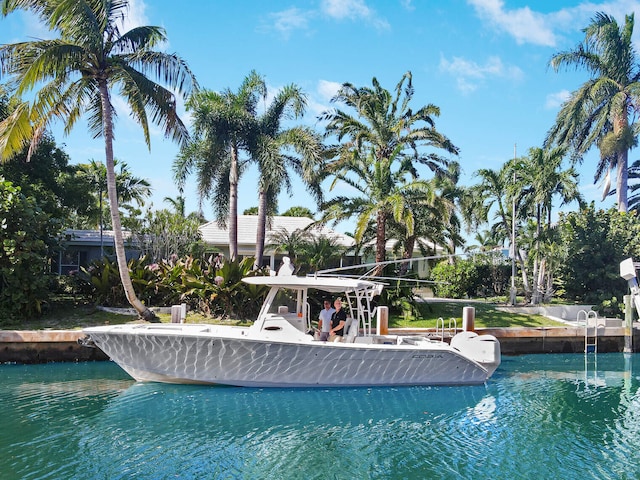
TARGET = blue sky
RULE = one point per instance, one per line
(483, 62)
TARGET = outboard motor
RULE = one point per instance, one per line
(484, 349)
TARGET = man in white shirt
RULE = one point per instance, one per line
(324, 320)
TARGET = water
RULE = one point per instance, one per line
(540, 416)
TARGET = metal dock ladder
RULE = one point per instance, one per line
(590, 325)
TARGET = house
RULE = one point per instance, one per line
(81, 247)
(218, 237)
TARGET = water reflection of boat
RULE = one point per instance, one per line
(228, 409)
(277, 351)
(223, 432)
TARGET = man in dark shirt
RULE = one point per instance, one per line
(338, 320)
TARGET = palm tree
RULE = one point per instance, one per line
(128, 187)
(178, 204)
(223, 125)
(292, 243)
(76, 74)
(432, 214)
(381, 146)
(495, 200)
(279, 151)
(542, 179)
(322, 252)
(599, 112)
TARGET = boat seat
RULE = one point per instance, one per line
(350, 330)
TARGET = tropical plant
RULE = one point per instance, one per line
(76, 74)
(177, 203)
(382, 144)
(223, 127)
(250, 211)
(217, 289)
(601, 112)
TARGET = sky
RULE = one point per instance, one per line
(484, 63)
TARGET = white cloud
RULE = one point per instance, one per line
(470, 75)
(135, 16)
(327, 89)
(547, 29)
(523, 24)
(319, 102)
(352, 10)
(289, 20)
(408, 4)
(554, 100)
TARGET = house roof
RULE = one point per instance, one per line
(213, 234)
(91, 237)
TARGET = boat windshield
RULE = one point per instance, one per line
(285, 301)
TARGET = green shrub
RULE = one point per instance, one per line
(457, 279)
(23, 253)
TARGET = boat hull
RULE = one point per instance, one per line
(234, 360)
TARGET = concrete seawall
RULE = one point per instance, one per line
(42, 346)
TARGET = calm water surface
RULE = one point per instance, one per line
(540, 416)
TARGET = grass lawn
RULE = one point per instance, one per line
(487, 315)
(70, 314)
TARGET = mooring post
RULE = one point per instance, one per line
(383, 320)
(468, 319)
(628, 324)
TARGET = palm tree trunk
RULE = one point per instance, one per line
(525, 276)
(125, 278)
(262, 228)
(537, 287)
(620, 127)
(233, 205)
(622, 179)
(407, 254)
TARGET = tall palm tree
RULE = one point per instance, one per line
(76, 74)
(223, 125)
(381, 146)
(496, 198)
(543, 179)
(600, 112)
(279, 151)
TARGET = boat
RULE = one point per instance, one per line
(280, 349)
